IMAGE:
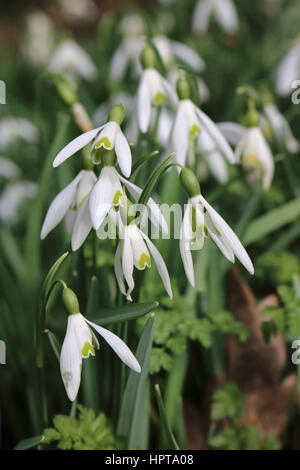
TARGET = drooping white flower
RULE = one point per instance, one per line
(70, 58)
(133, 251)
(79, 343)
(288, 71)
(12, 198)
(254, 153)
(78, 10)
(223, 11)
(12, 128)
(200, 218)
(8, 169)
(38, 39)
(171, 52)
(187, 126)
(153, 91)
(70, 203)
(109, 136)
(281, 128)
(213, 157)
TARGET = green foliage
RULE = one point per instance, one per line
(285, 318)
(278, 267)
(228, 406)
(87, 432)
(175, 324)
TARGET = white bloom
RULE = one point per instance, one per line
(109, 137)
(205, 218)
(288, 71)
(8, 169)
(187, 126)
(78, 10)
(38, 40)
(133, 251)
(232, 131)
(281, 128)
(153, 91)
(70, 203)
(70, 58)
(12, 197)
(79, 343)
(170, 52)
(254, 154)
(213, 157)
(11, 128)
(108, 193)
(224, 12)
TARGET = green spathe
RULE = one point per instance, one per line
(189, 182)
(117, 114)
(70, 301)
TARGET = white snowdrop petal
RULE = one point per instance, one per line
(201, 16)
(178, 142)
(123, 153)
(216, 135)
(60, 206)
(101, 199)
(127, 265)
(120, 348)
(160, 264)
(217, 166)
(227, 15)
(144, 104)
(118, 268)
(70, 361)
(77, 144)
(82, 225)
(230, 237)
(184, 246)
(187, 55)
(225, 249)
(232, 131)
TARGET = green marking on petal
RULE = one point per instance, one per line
(87, 350)
(144, 261)
(250, 160)
(103, 142)
(195, 131)
(159, 99)
(117, 198)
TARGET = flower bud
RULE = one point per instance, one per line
(70, 301)
(189, 182)
(183, 89)
(148, 57)
(117, 114)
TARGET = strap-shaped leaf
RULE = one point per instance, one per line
(120, 314)
(29, 443)
(171, 441)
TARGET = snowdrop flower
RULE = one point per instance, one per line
(281, 128)
(70, 58)
(187, 126)
(8, 169)
(12, 198)
(288, 71)
(38, 40)
(78, 10)
(133, 251)
(153, 90)
(70, 204)
(80, 342)
(108, 137)
(11, 128)
(255, 155)
(213, 157)
(201, 219)
(224, 12)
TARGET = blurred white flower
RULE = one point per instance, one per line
(8, 169)
(213, 157)
(281, 128)
(199, 219)
(38, 40)
(255, 155)
(187, 127)
(133, 251)
(70, 58)
(288, 70)
(12, 128)
(78, 10)
(70, 204)
(223, 11)
(79, 343)
(12, 198)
